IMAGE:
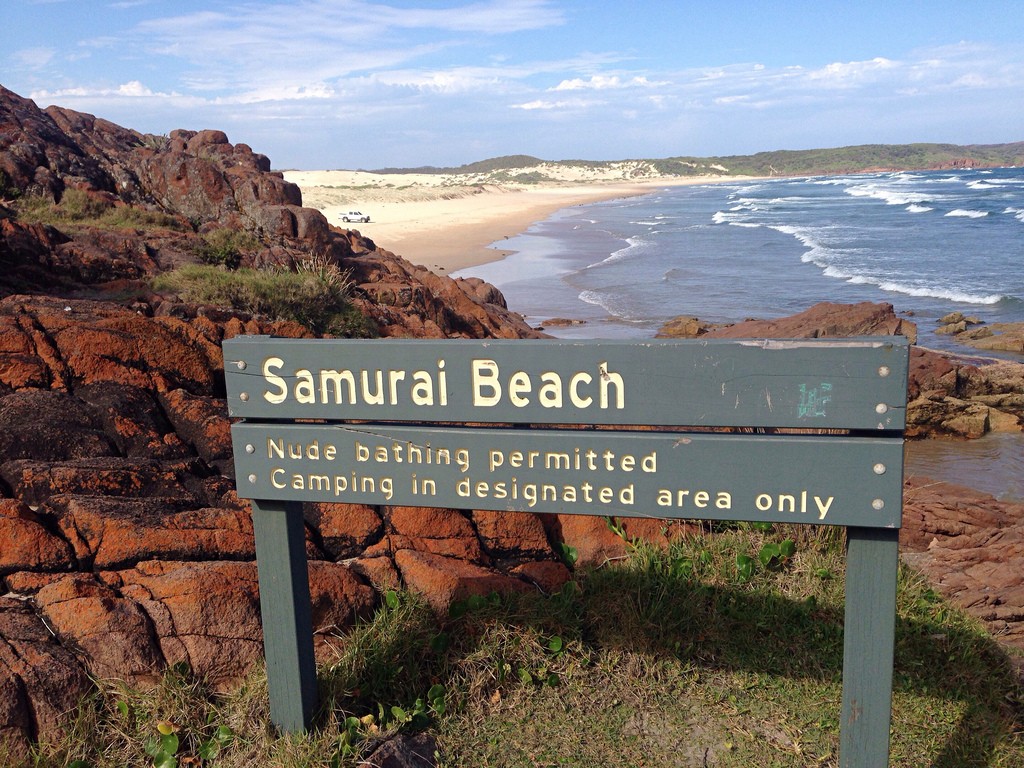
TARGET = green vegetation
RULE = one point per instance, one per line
(315, 295)
(871, 157)
(725, 649)
(531, 177)
(807, 162)
(78, 207)
(504, 163)
(155, 141)
(225, 247)
(8, 191)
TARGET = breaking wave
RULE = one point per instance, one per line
(963, 213)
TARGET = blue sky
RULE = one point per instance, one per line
(364, 84)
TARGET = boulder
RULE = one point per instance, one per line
(206, 615)
(446, 580)
(111, 533)
(112, 634)
(445, 532)
(824, 320)
(36, 481)
(998, 337)
(511, 535)
(345, 530)
(50, 426)
(41, 681)
(133, 419)
(970, 546)
(27, 543)
(683, 328)
(202, 422)
(952, 397)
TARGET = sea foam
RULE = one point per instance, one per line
(963, 213)
(887, 195)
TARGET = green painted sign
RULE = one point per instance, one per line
(785, 479)
(782, 431)
(825, 384)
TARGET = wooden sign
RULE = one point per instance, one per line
(790, 431)
(843, 384)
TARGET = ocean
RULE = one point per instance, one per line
(929, 243)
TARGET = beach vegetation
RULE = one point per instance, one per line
(671, 656)
(865, 157)
(528, 177)
(81, 208)
(8, 190)
(155, 141)
(226, 247)
(804, 162)
(503, 163)
(316, 294)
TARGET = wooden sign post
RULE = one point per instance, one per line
(802, 431)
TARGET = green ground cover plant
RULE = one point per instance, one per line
(315, 295)
(674, 657)
(77, 207)
(226, 247)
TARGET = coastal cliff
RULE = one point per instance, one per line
(125, 548)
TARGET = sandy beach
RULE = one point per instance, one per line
(447, 223)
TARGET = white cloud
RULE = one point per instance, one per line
(134, 88)
(62, 93)
(732, 99)
(602, 83)
(494, 17)
(972, 80)
(451, 81)
(242, 51)
(851, 73)
(94, 99)
(34, 58)
(315, 91)
(131, 89)
(543, 104)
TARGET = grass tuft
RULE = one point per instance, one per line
(77, 206)
(315, 295)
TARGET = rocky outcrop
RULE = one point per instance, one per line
(199, 182)
(949, 397)
(125, 548)
(971, 547)
(823, 320)
(972, 332)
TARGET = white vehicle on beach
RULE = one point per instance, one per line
(355, 216)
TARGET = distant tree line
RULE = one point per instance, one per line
(801, 162)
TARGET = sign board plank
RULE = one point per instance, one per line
(855, 384)
(822, 480)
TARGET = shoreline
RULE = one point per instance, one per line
(446, 228)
